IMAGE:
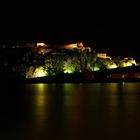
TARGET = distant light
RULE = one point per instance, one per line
(39, 72)
(96, 68)
(113, 66)
(41, 44)
(68, 70)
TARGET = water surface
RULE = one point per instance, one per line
(70, 111)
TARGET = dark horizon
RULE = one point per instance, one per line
(113, 37)
(123, 43)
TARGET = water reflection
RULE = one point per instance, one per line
(84, 108)
(40, 103)
(72, 111)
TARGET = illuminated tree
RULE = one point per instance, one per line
(117, 60)
(71, 65)
(39, 72)
(54, 63)
(109, 63)
(30, 72)
(102, 64)
(91, 59)
(125, 62)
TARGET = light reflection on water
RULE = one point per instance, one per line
(71, 111)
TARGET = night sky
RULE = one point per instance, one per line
(117, 35)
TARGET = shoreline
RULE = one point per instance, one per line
(35, 81)
(131, 74)
(75, 80)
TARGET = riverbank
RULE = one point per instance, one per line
(131, 74)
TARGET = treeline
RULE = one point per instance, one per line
(27, 62)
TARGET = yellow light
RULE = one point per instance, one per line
(126, 64)
(113, 66)
(41, 44)
(39, 72)
(96, 68)
(68, 71)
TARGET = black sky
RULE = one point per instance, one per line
(115, 32)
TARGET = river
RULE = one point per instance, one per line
(70, 111)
